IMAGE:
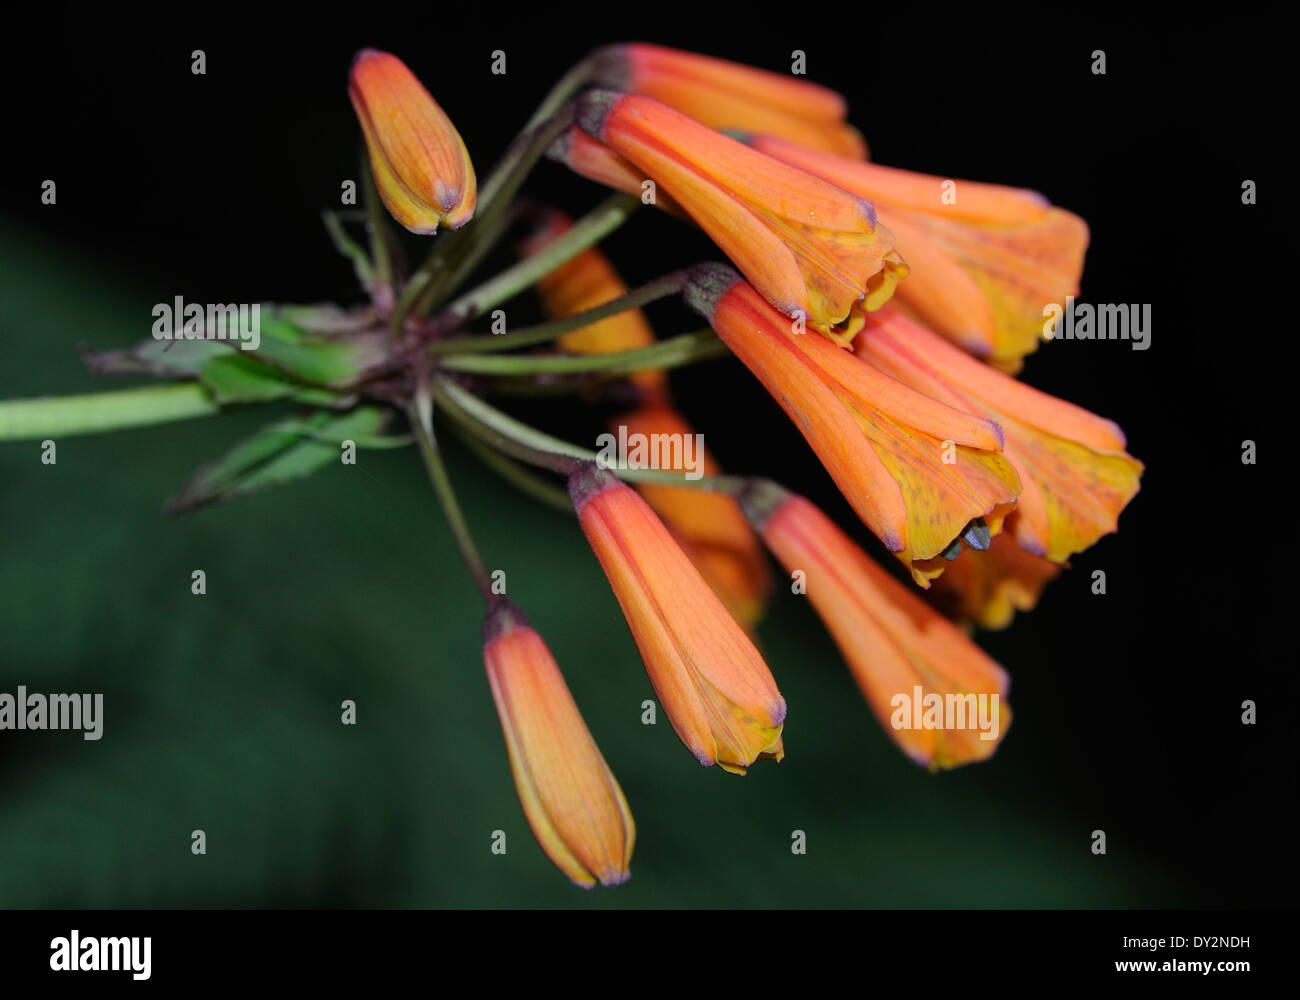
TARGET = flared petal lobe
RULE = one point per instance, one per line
(1075, 475)
(988, 588)
(936, 694)
(983, 259)
(727, 95)
(572, 802)
(710, 679)
(421, 167)
(917, 471)
(811, 249)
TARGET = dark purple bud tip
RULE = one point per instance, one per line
(502, 618)
(759, 499)
(593, 107)
(589, 480)
(609, 68)
(559, 149)
(705, 286)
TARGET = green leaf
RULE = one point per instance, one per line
(158, 357)
(383, 441)
(326, 317)
(244, 379)
(241, 378)
(276, 455)
(318, 360)
(321, 357)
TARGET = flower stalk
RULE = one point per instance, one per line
(96, 412)
(590, 230)
(674, 352)
(422, 426)
(457, 255)
(518, 440)
(670, 284)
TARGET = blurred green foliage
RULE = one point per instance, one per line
(222, 712)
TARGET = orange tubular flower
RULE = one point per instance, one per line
(710, 527)
(718, 693)
(988, 588)
(984, 259)
(810, 248)
(936, 693)
(595, 161)
(572, 802)
(585, 282)
(421, 167)
(1075, 475)
(916, 470)
(724, 94)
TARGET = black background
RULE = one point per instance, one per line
(216, 183)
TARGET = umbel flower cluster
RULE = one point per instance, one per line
(886, 312)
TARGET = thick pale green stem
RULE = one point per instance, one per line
(93, 413)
